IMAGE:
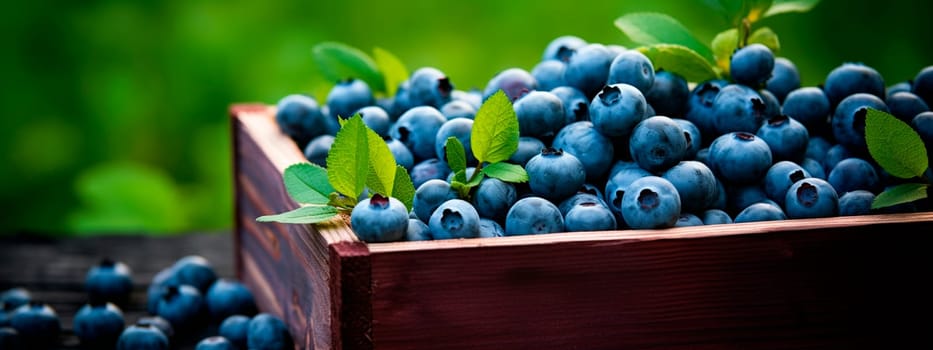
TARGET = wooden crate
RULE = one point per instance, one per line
(851, 282)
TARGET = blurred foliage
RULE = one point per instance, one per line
(115, 111)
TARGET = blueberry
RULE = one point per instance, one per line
(786, 137)
(267, 332)
(692, 136)
(634, 68)
(856, 202)
(215, 343)
(109, 281)
(532, 216)
(458, 109)
(780, 177)
(589, 216)
(554, 174)
(460, 128)
(738, 108)
(540, 114)
(513, 81)
(617, 184)
(195, 271)
(923, 85)
(228, 297)
(142, 337)
(923, 124)
(99, 325)
(668, 95)
(15, 297)
(300, 117)
(37, 324)
(751, 65)
(379, 219)
(834, 155)
(528, 147)
(811, 198)
(817, 148)
(493, 198)
(905, 105)
(695, 183)
(852, 78)
(588, 68)
(651, 202)
(401, 153)
(317, 150)
(849, 120)
(617, 109)
(235, 328)
(549, 74)
(700, 107)
(809, 106)
(593, 149)
(578, 198)
(429, 87)
(401, 102)
(417, 231)
(722, 200)
(473, 96)
(740, 197)
(562, 47)
(904, 86)
(454, 218)
(854, 174)
(687, 219)
(657, 143)
(376, 119)
(703, 156)
(429, 196)
(431, 169)
(156, 288)
(784, 78)
(772, 105)
(814, 168)
(348, 96)
(158, 322)
(716, 217)
(489, 228)
(183, 306)
(576, 105)
(417, 129)
(9, 338)
(739, 158)
(760, 212)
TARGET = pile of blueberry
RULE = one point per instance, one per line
(609, 143)
(182, 299)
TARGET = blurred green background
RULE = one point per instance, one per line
(115, 112)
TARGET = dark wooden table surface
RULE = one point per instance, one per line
(53, 270)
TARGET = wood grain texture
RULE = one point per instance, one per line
(849, 282)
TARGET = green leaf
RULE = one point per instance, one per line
(495, 130)
(649, 28)
(460, 176)
(903, 193)
(348, 159)
(338, 200)
(730, 10)
(403, 189)
(507, 172)
(304, 215)
(476, 179)
(680, 60)
(382, 164)
(756, 9)
(338, 61)
(785, 6)
(393, 70)
(307, 183)
(725, 43)
(895, 145)
(456, 155)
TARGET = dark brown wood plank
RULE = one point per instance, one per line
(53, 270)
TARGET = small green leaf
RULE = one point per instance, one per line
(507, 172)
(382, 164)
(756, 9)
(307, 183)
(456, 155)
(895, 145)
(784, 6)
(338, 200)
(403, 189)
(903, 193)
(460, 176)
(495, 130)
(680, 60)
(348, 159)
(649, 28)
(339, 61)
(730, 10)
(393, 70)
(766, 37)
(303, 215)
(724, 44)
(476, 179)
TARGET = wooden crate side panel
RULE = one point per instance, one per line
(856, 287)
